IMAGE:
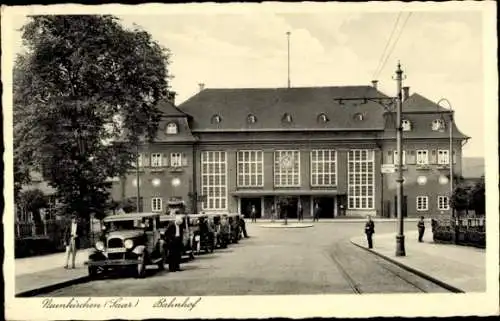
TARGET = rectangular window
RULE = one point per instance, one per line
(443, 157)
(156, 204)
(286, 168)
(323, 167)
(396, 159)
(422, 157)
(361, 179)
(175, 159)
(422, 203)
(156, 160)
(214, 180)
(250, 168)
(443, 203)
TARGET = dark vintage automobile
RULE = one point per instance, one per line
(166, 220)
(204, 234)
(128, 241)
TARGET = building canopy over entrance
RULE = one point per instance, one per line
(285, 192)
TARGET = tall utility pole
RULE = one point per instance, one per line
(451, 162)
(400, 238)
(288, 39)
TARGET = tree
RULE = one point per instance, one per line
(460, 199)
(85, 95)
(33, 201)
(478, 198)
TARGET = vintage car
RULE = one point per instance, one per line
(165, 220)
(128, 242)
(204, 235)
(221, 235)
(235, 227)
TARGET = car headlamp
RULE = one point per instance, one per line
(129, 244)
(99, 246)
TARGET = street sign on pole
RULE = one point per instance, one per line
(388, 168)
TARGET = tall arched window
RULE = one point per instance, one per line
(287, 118)
(216, 119)
(172, 128)
(322, 118)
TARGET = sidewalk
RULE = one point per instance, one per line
(47, 271)
(339, 220)
(459, 267)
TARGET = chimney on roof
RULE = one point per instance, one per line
(201, 86)
(406, 93)
(375, 83)
(171, 97)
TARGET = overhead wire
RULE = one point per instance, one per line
(375, 75)
(395, 43)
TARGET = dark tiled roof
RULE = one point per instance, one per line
(418, 103)
(169, 109)
(269, 105)
(421, 127)
(472, 167)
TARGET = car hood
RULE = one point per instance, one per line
(125, 234)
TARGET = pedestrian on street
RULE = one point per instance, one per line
(175, 244)
(253, 214)
(421, 228)
(300, 211)
(243, 226)
(316, 212)
(369, 231)
(71, 241)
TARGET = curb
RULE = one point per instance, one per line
(412, 270)
(52, 287)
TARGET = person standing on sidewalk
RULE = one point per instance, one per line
(316, 212)
(253, 214)
(369, 231)
(300, 211)
(421, 228)
(71, 241)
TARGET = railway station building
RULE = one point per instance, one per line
(225, 150)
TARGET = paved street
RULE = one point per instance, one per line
(312, 260)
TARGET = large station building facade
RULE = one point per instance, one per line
(224, 150)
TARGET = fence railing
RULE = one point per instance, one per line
(463, 231)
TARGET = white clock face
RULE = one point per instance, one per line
(443, 180)
(422, 180)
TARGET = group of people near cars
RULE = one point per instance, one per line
(191, 234)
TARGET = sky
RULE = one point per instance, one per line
(441, 53)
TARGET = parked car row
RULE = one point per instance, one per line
(130, 242)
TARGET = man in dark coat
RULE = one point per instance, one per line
(243, 226)
(316, 212)
(253, 214)
(175, 235)
(369, 231)
(71, 240)
(421, 228)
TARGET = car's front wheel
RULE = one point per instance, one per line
(92, 272)
(141, 267)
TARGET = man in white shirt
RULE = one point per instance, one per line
(70, 239)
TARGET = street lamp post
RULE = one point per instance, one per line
(450, 153)
(400, 238)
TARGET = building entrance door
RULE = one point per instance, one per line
(327, 206)
(246, 206)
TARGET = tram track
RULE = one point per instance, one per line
(340, 256)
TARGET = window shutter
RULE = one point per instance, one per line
(389, 157)
(454, 157)
(433, 157)
(184, 160)
(164, 160)
(411, 158)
